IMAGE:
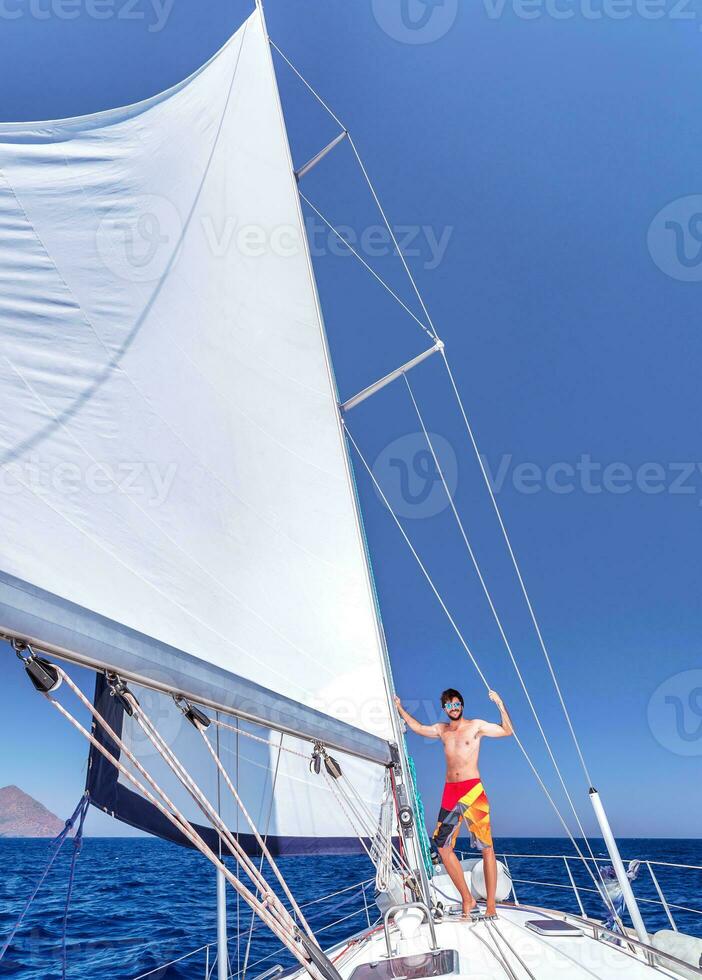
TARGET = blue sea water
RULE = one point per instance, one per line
(140, 903)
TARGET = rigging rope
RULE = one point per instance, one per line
(363, 262)
(265, 838)
(286, 931)
(265, 852)
(366, 825)
(381, 854)
(258, 738)
(465, 645)
(517, 570)
(424, 844)
(495, 614)
(56, 845)
(464, 414)
(77, 848)
(269, 896)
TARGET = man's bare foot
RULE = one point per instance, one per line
(491, 911)
(469, 904)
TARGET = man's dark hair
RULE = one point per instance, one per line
(451, 694)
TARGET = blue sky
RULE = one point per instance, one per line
(545, 169)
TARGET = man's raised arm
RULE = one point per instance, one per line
(429, 731)
(505, 728)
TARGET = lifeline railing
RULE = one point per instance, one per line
(207, 953)
(578, 890)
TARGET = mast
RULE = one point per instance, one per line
(410, 834)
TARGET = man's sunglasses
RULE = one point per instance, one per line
(453, 706)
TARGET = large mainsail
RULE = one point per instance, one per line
(176, 499)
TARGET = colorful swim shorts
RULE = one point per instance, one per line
(464, 801)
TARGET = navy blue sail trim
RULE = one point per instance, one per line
(107, 793)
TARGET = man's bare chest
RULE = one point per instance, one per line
(464, 741)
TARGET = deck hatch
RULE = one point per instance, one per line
(553, 927)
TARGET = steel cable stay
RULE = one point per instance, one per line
(269, 909)
(366, 265)
(434, 334)
(478, 669)
(257, 927)
(518, 572)
(599, 810)
(496, 615)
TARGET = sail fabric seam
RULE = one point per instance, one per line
(518, 571)
(175, 544)
(465, 645)
(495, 614)
(205, 380)
(290, 777)
(146, 582)
(249, 418)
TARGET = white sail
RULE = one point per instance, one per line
(176, 499)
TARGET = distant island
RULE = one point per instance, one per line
(23, 816)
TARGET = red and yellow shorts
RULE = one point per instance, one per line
(464, 801)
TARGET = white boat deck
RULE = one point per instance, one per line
(508, 949)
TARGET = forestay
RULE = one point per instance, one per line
(176, 498)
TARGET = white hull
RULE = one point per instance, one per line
(508, 948)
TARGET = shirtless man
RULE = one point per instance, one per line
(464, 797)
